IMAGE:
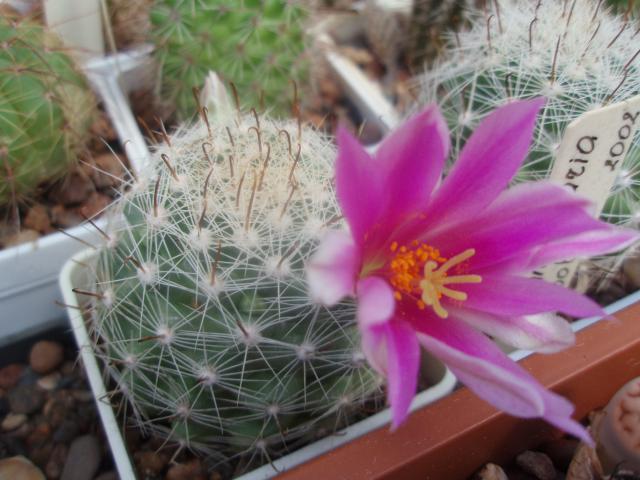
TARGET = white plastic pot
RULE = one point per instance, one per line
(76, 273)
(29, 272)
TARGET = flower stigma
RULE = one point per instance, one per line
(421, 273)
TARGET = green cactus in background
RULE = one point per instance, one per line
(577, 54)
(256, 44)
(202, 306)
(46, 110)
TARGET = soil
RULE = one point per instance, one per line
(85, 191)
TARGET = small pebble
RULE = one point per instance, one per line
(10, 375)
(561, 451)
(491, 471)
(26, 399)
(40, 434)
(66, 431)
(29, 377)
(49, 382)
(65, 217)
(46, 356)
(19, 468)
(107, 476)
(83, 395)
(192, 470)
(55, 464)
(24, 236)
(73, 190)
(37, 218)
(537, 464)
(150, 463)
(83, 459)
(13, 421)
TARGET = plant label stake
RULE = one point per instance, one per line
(589, 162)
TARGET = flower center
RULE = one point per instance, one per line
(421, 273)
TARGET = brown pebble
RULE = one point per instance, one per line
(107, 171)
(64, 217)
(10, 375)
(40, 434)
(95, 204)
(149, 462)
(53, 468)
(37, 218)
(537, 464)
(192, 470)
(491, 471)
(26, 399)
(49, 382)
(40, 454)
(13, 421)
(107, 476)
(45, 356)
(73, 190)
(68, 368)
(24, 236)
(82, 395)
(83, 459)
(19, 468)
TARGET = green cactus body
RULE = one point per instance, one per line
(576, 54)
(257, 45)
(46, 110)
(204, 310)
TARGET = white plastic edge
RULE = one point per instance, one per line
(364, 92)
(109, 422)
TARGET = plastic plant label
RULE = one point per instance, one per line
(589, 160)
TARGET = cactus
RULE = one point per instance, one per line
(46, 110)
(201, 304)
(257, 45)
(575, 53)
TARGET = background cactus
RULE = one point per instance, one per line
(257, 45)
(201, 304)
(46, 110)
(576, 54)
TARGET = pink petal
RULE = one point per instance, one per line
(596, 242)
(375, 302)
(543, 333)
(486, 370)
(521, 220)
(359, 187)
(332, 270)
(403, 360)
(512, 295)
(488, 162)
(393, 350)
(377, 194)
(411, 160)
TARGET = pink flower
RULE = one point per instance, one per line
(442, 263)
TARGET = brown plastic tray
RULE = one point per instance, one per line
(454, 437)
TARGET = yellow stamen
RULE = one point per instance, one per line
(422, 274)
(435, 279)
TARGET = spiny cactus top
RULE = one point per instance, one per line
(46, 109)
(255, 44)
(203, 309)
(576, 54)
